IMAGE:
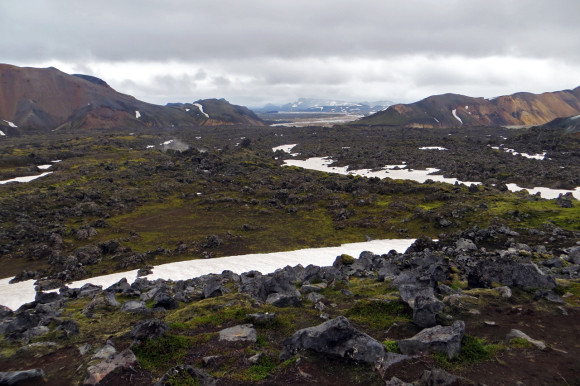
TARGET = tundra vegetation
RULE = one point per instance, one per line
(122, 200)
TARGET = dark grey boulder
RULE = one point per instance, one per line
(90, 290)
(15, 377)
(122, 360)
(284, 300)
(134, 306)
(438, 338)
(47, 297)
(243, 332)
(521, 275)
(70, 327)
(335, 337)
(574, 255)
(5, 312)
(213, 288)
(426, 310)
(149, 329)
(166, 301)
(439, 377)
(262, 317)
(120, 286)
(186, 374)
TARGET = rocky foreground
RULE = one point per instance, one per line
(490, 306)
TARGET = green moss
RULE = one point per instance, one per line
(160, 354)
(346, 259)
(473, 350)
(391, 346)
(380, 314)
(261, 369)
(520, 343)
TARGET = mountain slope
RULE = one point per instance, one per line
(36, 99)
(453, 110)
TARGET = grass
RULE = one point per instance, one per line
(473, 350)
(160, 354)
(379, 314)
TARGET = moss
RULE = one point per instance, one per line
(346, 259)
(473, 350)
(160, 354)
(520, 343)
(261, 369)
(380, 314)
(391, 346)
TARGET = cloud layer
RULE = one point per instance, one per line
(256, 51)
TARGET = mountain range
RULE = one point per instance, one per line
(44, 99)
(312, 105)
(453, 110)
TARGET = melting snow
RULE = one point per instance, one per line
(137, 114)
(25, 179)
(44, 167)
(11, 124)
(576, 117)
(200, 107)
(150, 146)
(454, 112)
(15, 295)
(187, 109)
(284, 148)
(2, 133)
(166, 142)
(432, 148)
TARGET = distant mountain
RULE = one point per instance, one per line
(568, 125)
(310, 105)
(43, 99)
(453, 110)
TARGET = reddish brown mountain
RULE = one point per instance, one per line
(42, 99)
(453, 110)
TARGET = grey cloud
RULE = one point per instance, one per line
(184, 30)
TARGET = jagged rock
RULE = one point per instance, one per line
(120, 286)
(166, 301)
(394, 381)
(574, 255)
(5, 312)
(213, 287)
(110, 299)
(243, 332)
(262, 317)
(314, 297)
(465, 245)
(105, 352)
(438, 338)
(426, 310)
(149, 329)
(14, 377)
(439, 377)
(144, 271)
(47, 297)
(519, 334)
(461, 301)
(524, 276)
(409, 292)
(70, 327)
(134, 306)
(210, 360)
(307, 288)
(283, 300)
(96, 373)
(90, 290)
(504, 291)
(388, 271)
(550, 296)
(187, 375)
(335, 337)
(555, 262)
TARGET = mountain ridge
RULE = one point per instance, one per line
(455, 110)
(43, 99)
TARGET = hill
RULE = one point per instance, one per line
(44, 99)
(453, 110)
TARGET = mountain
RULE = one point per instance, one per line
(568, 125)
(453, 110)
(310, 105)
(43, 99)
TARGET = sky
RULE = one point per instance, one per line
(254, 52)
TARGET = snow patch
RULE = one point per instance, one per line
(44, 167)
(2, 133)
(15, 295)
(150, 146)
(454, 112)
(11, 124)
(166, 142)
(432, 148)
(25, 179)
(137, 114)
(187, 110)
(200, 107)
(436, 120)
(576, 117)
(284, 148)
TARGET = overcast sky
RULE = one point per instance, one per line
(256, 51)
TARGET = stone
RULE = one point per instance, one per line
(70, 327)
(166, 301)
(441, 377)
(521, 335)
(314, 297)
(508, 273)
(5, 312)
(210, 360)
(409, 292)
(15, 377)
(149, 329)
(283, 300)
(243, 332)
(438, 338)
(262, 317)
(105, 352)
(89, 290)
(465, 245)
(134, 306)
(504, 291)
(426, 310)
(213, 287)
(187, 375)
(96, 373)
(335, 337)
